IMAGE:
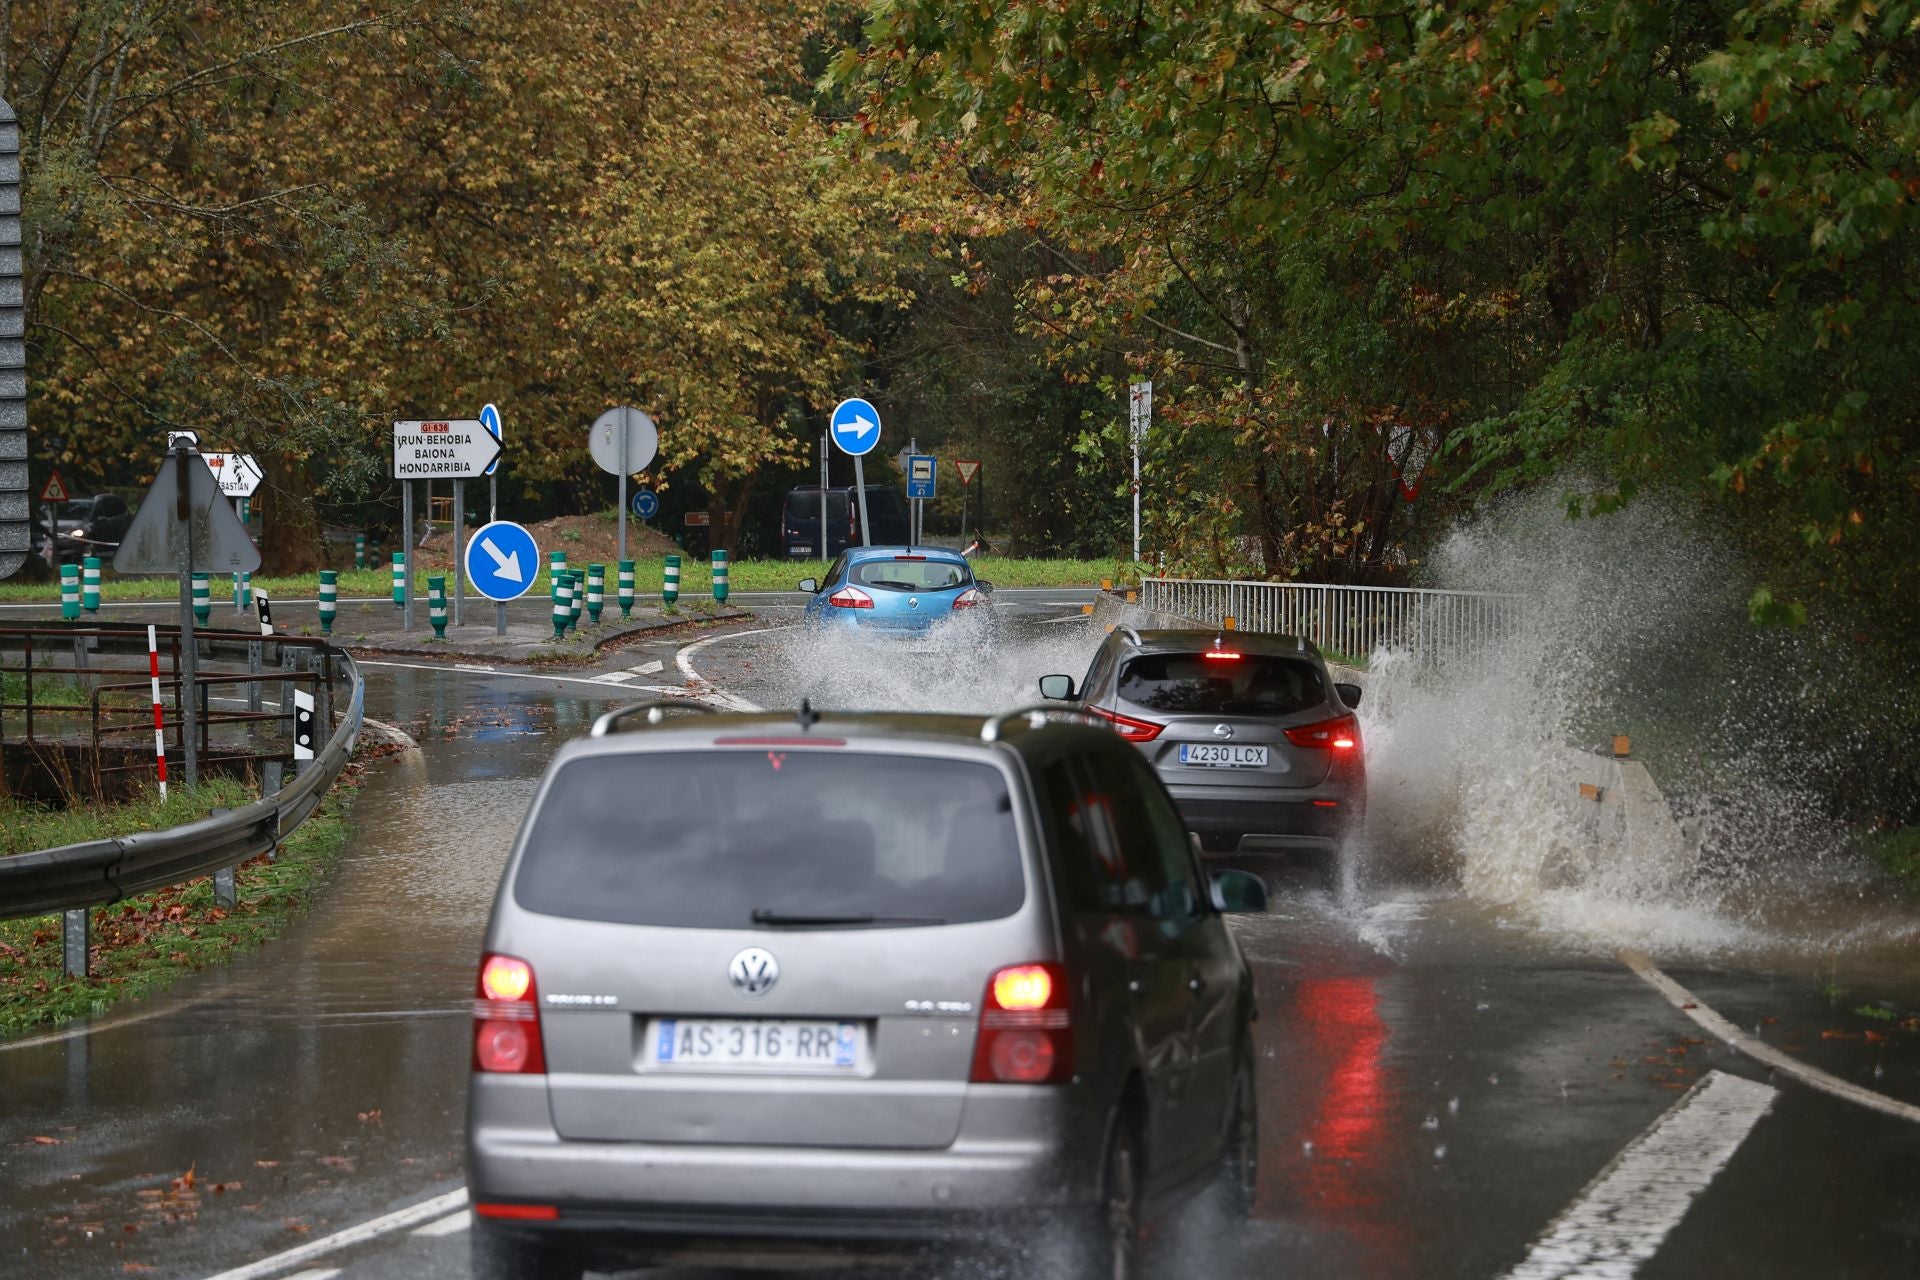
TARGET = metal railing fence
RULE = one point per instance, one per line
(1346, 621)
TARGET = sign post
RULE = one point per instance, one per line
(824, 557)
(439, 449)
(855, 428)
(183, 521)
(1139, 419)
(967, 467)
(502, 563)
(623, 441)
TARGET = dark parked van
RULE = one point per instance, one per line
(800, 520)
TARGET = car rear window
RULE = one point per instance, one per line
(705, 839)
(912, 575)
(1250, 685)
(806, 506)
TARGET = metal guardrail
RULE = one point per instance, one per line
(97, 872)
(1351, 622)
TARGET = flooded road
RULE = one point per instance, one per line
(1444, 1078)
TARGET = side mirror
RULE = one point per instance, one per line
(810, 585)
(1349, 694)
(1239, 893)
(1056, 688)
(984, 585)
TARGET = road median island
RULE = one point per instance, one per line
(531, 644)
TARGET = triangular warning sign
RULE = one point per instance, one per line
(55, 489)
(966, 468)
(210, 539)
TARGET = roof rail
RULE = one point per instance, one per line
(655, 711)
(1130, 634)
(1037, 715)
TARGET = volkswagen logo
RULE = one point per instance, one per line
(1223, 731)
(753, 972)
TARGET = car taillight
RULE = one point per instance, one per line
(969, 599)
(1127, 727)
(1220, 655)
(1026, 1029)
(1340, 734)
(850, 598)
(506, 1019)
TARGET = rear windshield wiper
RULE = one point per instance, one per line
(803, 920)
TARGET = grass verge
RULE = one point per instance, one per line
(147, 943)
(1897, 853)
(696, 579)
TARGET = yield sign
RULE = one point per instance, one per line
(967, 467)
(55, 489)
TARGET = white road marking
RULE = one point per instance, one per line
(1072, 617)
(471, 666)
(315, 1273)
(707, 689)
(373, 1228)
(1622, 1217)
(446, 1226)
(653, 668)
(1760, 1050)
(499, 674)
(614, 677)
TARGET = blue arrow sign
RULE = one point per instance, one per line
(855, 427)
(502, 561)
(490, 419)
(645, 504)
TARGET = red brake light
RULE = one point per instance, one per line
(1340, 734)
(850, 598)
(506, 1019)
(1127, 727)
(526, 1212)
(968, 599)
(1220, 655)
(1026, 1034)
(899, 558)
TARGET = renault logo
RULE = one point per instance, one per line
(753, 972)
(913, 602)
(1223, 731)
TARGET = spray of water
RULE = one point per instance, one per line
(1638, 626)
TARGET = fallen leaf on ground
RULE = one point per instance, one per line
(1874, 1037)
(267, 1164)
(370, 1117)
(293, 1225)
(1831, 1034)
(185, 1181)
(42, 1140)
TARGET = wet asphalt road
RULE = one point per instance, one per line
(1439, 1081)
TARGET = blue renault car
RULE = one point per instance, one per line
(905, 592)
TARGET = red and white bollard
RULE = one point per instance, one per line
(159, 726)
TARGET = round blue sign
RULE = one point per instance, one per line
(855, 427)
(502, 560)
(645, 504)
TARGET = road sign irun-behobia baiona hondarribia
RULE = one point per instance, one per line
(442, 449)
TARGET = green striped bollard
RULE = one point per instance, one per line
(577, 584)
(670, 581)
(596, 592)
(626, 588)
(90, 585)
(556, 569)
(202, 598)
(719, 576)
(329, 599)
(399, 579)
(437, 605)
(359, 550)
(562, 606)
(242, 592)
(70, 592)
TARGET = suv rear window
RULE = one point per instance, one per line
(806, 506)
(705, 839)
(1250, 685)
(912, 575)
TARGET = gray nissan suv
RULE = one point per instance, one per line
(1257, 743)
(776, 986)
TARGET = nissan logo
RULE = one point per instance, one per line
(753, 972)
(1223, 731)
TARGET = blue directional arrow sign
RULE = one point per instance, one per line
(502, 561)
(645, 504)
(855, 427)
(490, 419)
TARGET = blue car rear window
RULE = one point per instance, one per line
(912, 575)
(705, 839)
